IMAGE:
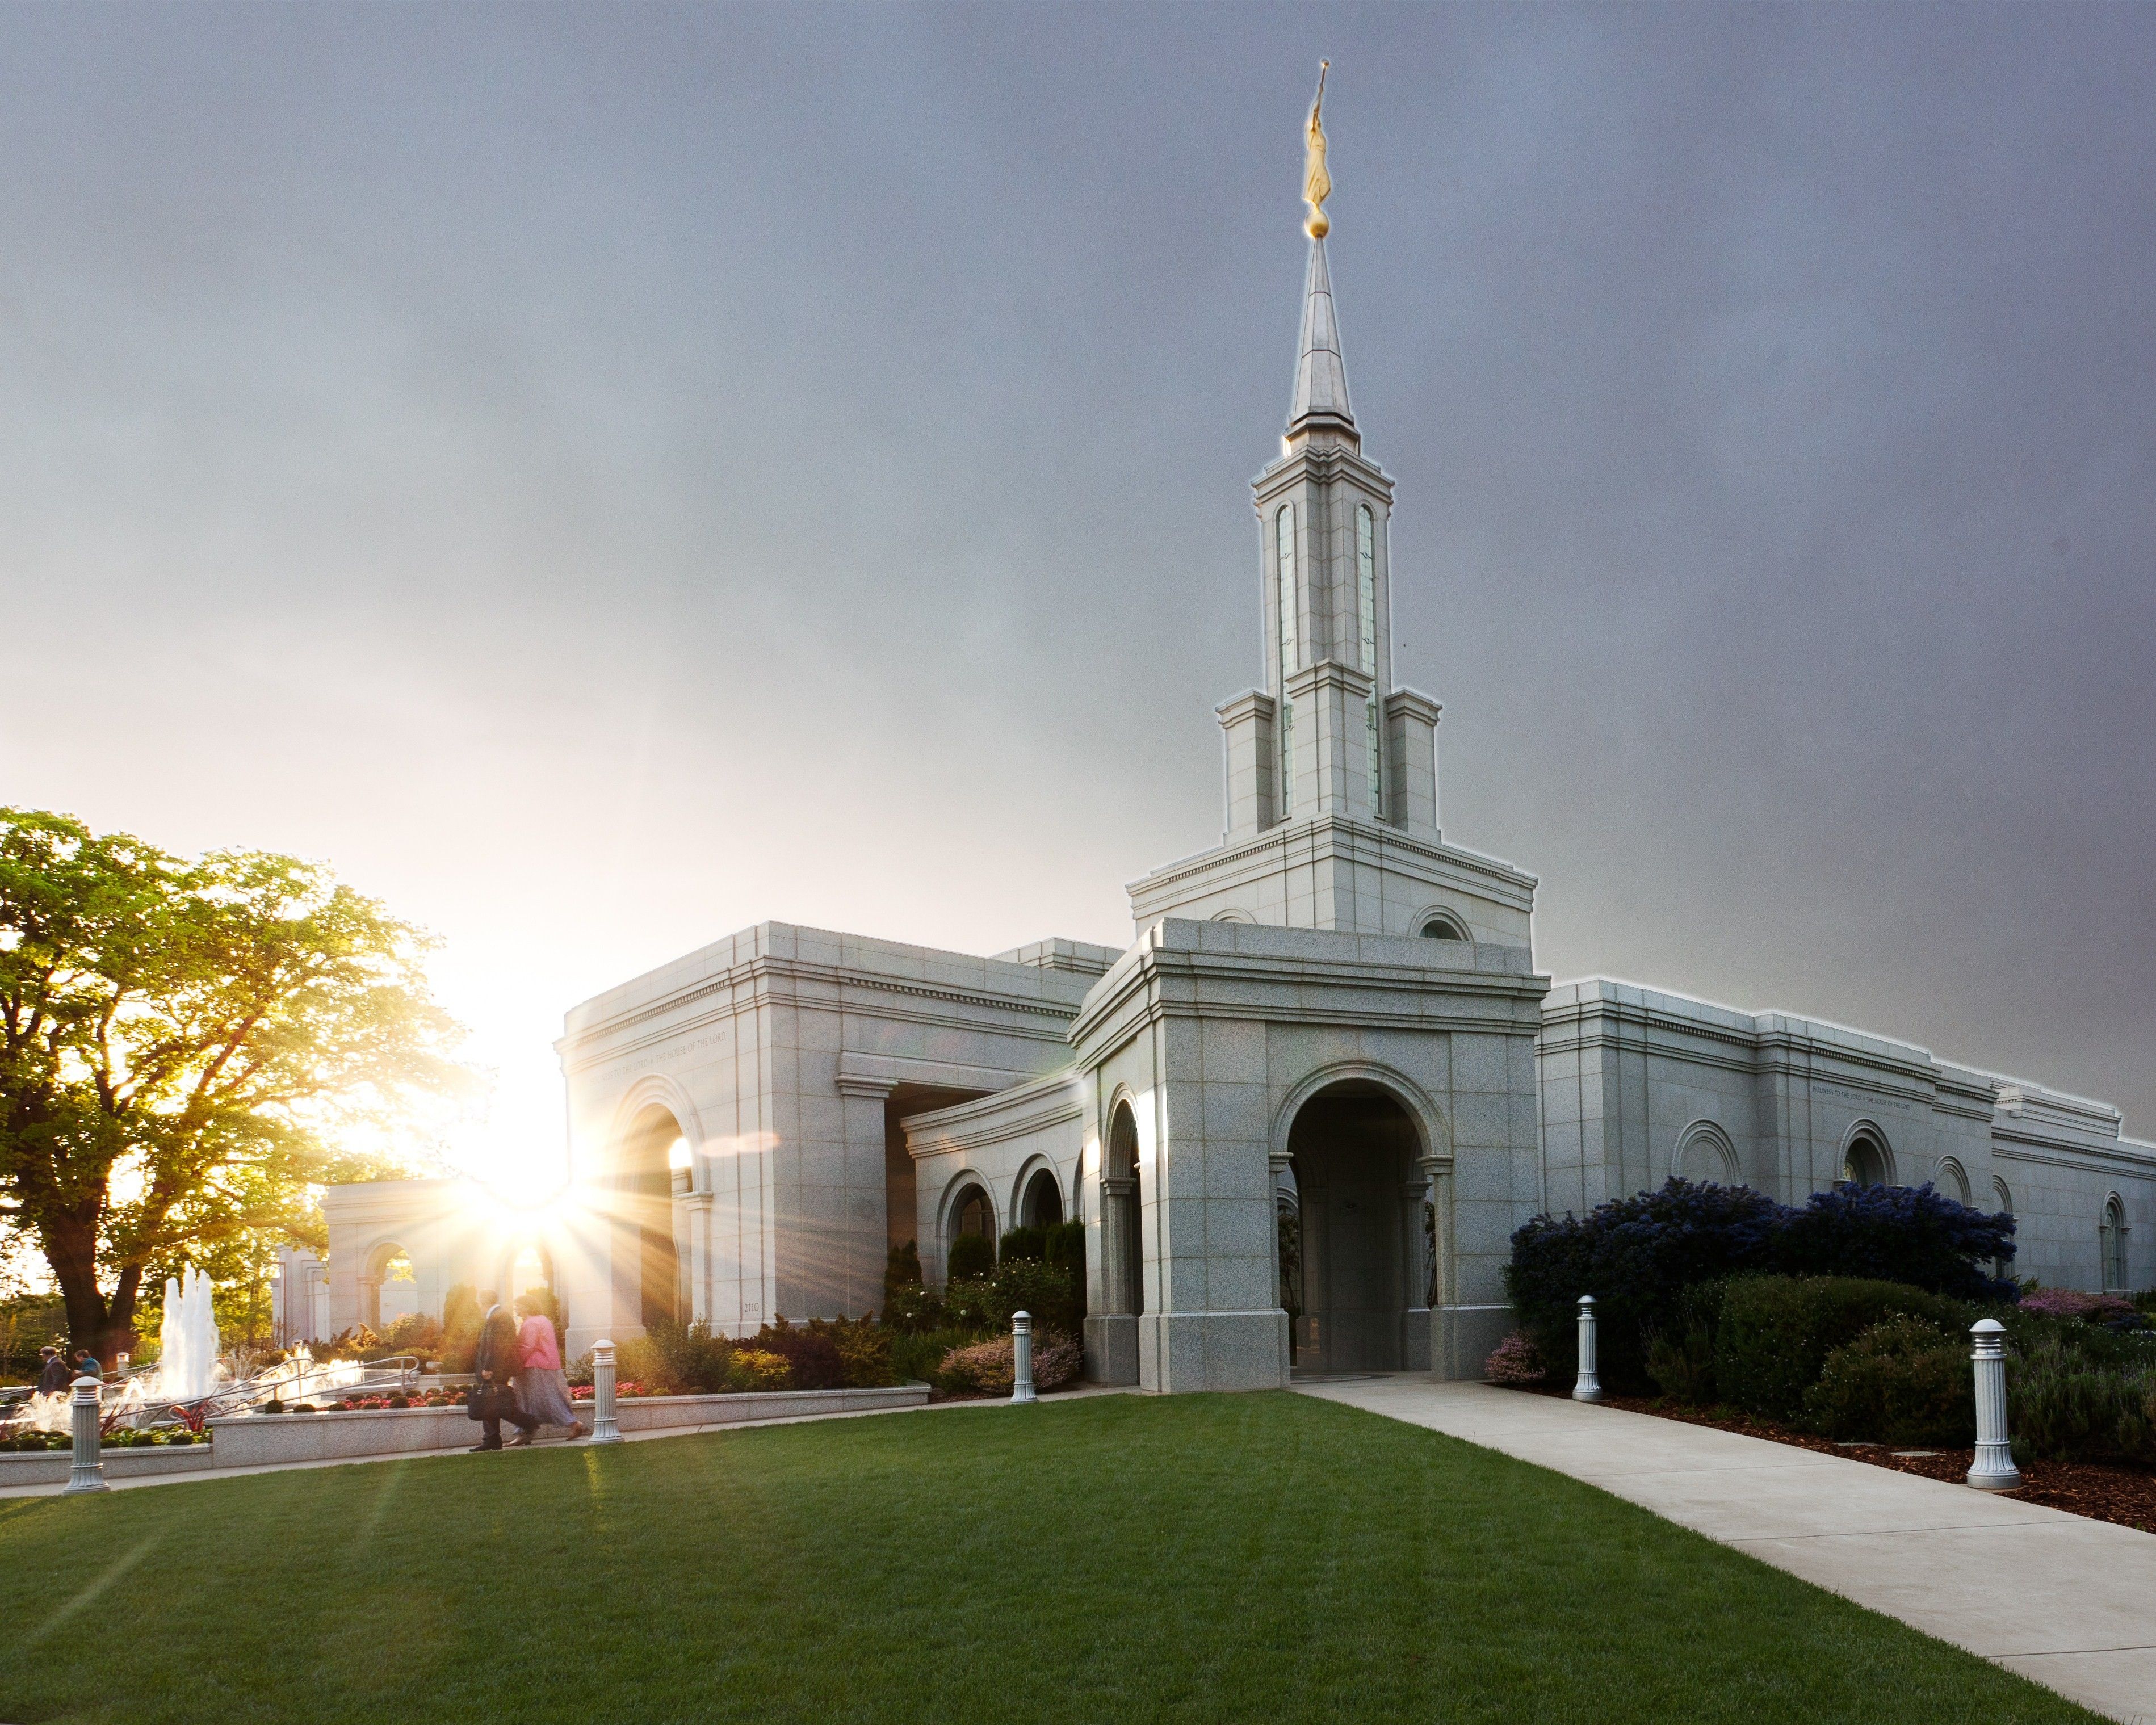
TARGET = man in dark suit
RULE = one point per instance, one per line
(493, 1397)
(53, 1374)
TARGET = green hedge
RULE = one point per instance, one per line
(1772, 1333)
(1903, 1381)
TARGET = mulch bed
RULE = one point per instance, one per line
(2101, 1491)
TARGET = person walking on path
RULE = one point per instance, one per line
(86, 1365)
(494, 1396)
(53, 1375)
(542, 1387)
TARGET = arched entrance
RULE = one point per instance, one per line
(1123, 1217)
(647, 1267)
(389, 1290)
(1041, 1203)
(1359, 1224)
(1866, 1161)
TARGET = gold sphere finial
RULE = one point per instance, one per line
(1316, 182)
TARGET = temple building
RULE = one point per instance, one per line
(1327, 1030)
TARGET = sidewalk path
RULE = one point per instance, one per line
(2066, 1601)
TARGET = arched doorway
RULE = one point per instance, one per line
(1866, 1161)
(647, 1265)
(1360, 1227)
(1123, 1217)
(1041, 1203)
(390, 1289)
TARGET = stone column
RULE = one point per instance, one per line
(1414, 1257)
(1111, 1335)
(1444, 1327)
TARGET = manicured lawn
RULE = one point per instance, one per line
(1256, 1558)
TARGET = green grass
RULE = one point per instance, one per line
(1253, 1558)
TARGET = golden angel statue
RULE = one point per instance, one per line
(1316, 183)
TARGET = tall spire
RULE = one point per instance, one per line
(1321, 375)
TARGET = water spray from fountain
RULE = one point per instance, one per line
(187, 1342)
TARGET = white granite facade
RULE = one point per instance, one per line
(1301, 1114)
(1638, 1084)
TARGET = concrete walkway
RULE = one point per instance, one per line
(2066, 1601)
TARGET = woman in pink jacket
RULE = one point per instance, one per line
(542, 1388)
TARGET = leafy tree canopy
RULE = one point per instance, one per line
(186, 1046)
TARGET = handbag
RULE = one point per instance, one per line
(489, 1401)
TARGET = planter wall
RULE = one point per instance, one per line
(49, 1467)
(263, 1440)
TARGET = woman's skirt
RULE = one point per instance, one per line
(544, 1396)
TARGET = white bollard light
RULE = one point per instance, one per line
(604, 1429)
(1993, 1469)
(87, 1472)
(1586, 1387)
(1022, 1357)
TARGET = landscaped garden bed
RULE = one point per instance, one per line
(1842, 1328)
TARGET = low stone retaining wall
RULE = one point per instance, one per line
(263, 1439)
(49, 1467)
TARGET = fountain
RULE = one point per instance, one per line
(186, 1359)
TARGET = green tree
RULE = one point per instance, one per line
(185, 1047)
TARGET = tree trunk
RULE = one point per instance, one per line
(70, 1244)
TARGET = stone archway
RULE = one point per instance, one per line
(1866, 1160)
(388, 1286)
(1040, 1199)
(1354, 1152)
(647, 1263)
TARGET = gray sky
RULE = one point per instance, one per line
(603, 476)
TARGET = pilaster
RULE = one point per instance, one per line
(1411, 738)
(1246, 724)
(1331, 760)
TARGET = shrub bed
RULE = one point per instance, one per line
(825, 1354)
(990, 1367)
(1640, 1256)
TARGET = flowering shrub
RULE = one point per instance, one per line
(626, 1389)
(989, 1367)
(2092, 1308)
(1515, 1360)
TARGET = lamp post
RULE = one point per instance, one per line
(604, 1429)
(86, 1472)
(1022, 1356)
(1586, 1387)
(1992, 1469)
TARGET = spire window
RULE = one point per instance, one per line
(1366, 608)
(1290, 656)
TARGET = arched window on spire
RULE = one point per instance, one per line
(1366, 608)
(1290, 659)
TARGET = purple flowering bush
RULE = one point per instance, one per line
(1515, 1360)
(1639, 1256)
(2091, 1308)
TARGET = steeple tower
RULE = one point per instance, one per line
(1331, 768)
(1321, 374)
